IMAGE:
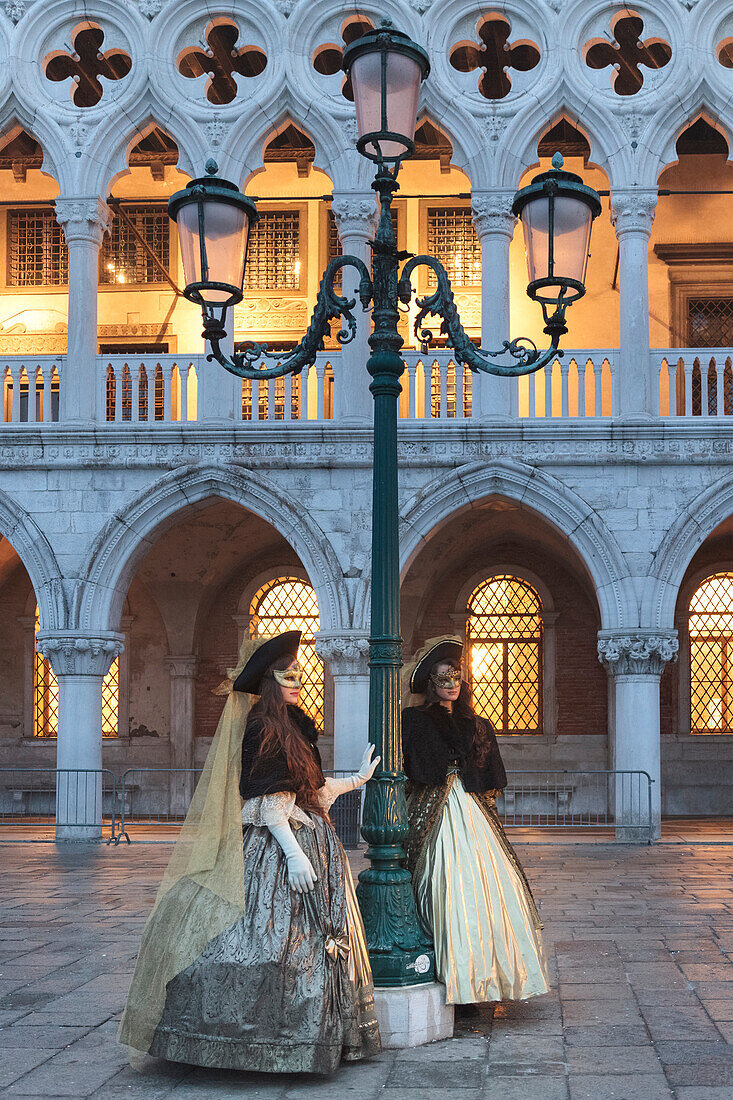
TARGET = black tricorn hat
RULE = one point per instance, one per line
(283, 645)
(445, 650)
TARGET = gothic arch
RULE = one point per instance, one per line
(34, 551)
(567, 512)
(697, 521)
(114, 146)
(131, 532)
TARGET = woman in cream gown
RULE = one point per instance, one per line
(471, 893)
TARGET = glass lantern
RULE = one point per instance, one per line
(386, 69)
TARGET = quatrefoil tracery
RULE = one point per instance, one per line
(87, 64)
(327, 58)
(222, 61)
(627, 53)
(494, 54)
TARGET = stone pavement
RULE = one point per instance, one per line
(640, 942)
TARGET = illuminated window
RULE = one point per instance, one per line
(452, 240)
(46, 696)
(711, 656)
(451, 391)
(290, 604)
(273, 253)
(37, 252)
(139, 236)
(504, 643)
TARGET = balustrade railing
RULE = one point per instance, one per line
(164, 389)
(693, 381)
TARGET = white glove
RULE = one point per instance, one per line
(335, 787)
(301, 875)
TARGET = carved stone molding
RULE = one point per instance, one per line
(84, 219)
(74, 653)
(355, 215)
(641, 653)
(492, 212)
(633, 211)
(345, 653)
(15, 9)
(182, 668)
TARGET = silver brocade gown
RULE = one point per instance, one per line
(288, 988)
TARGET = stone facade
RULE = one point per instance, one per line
(144, 538)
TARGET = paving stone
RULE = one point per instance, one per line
(16, 1063)
(677, 1022)
(471, 1049)
(51, 1037)
(634, 1086)
(705, 1092)
(434, 1074)
(600, 1012)
(609, 1060)
(612, 991)
(525, 1048)
(518, 1088)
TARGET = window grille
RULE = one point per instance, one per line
(504, 643)
(709, 322)
(126, 394)
(37, 252)
(273, 254)
(124, 259)
(263, 400)
(46, 695)
(289, 603)
(111, 394)
(711, 656)
(452, 240)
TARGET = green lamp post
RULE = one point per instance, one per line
(214, 220)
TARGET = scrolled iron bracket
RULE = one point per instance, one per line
(525, 354)
(329, 305)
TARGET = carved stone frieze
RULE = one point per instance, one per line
(638, 652)
(270, 313)
(215, 128)
(74, 653)
(150, 8)
(15, 9)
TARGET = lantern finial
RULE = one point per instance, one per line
(211, 167)
(558, 160)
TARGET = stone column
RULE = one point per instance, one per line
(355, 214)
(635, 661)
(182, 672)
(632, 214)
(347, 655)
(219, 392)
(494, 222)
(84, 222)
(80, 662)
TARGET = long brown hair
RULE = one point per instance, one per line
(281, 735)
(463, 710)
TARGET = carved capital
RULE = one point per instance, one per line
(346, 653)
(633, 211)
(74, 653)
(182, 668)
(355, 215)
(84, 219)
(492, 212)
(637, 653)
(15, 9)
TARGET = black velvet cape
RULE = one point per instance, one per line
(434, 739)
(271, 775)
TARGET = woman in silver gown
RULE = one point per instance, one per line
(278, 977)
(471, 892)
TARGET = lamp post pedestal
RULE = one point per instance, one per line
(413, 1015)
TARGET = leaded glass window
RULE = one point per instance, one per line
(37, 252)
(125, 258)
(273, 253)
(504, 643)
(711, 656)
(452, 240)
(46, 696)
(289, 603)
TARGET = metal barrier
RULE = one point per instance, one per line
(81, 803)
(84, 803)
(618, 800)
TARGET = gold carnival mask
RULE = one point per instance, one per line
(289, 677)
(446, 680)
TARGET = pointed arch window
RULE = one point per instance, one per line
(710, 629)
(289, 603)
(504, 635)
(46, 695)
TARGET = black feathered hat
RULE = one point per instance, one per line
(282, 645)
(436, 650)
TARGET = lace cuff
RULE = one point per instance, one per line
(332, 788)
(273, 809)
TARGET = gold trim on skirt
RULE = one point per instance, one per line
(477, 907)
